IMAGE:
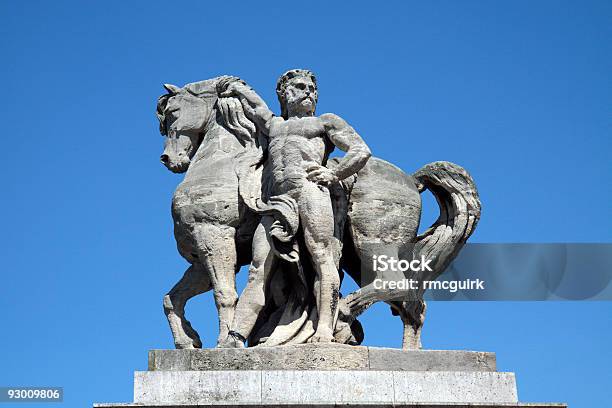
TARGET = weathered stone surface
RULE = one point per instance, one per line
(193, 387)
(340, 387)
(255, 178)
(410, 379)
(294, 357)
(430, 360)
(321, 357)
(454, 386)
(272, 387)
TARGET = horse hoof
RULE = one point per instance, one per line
(184, 346)
(188, 344)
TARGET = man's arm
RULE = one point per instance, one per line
(346, 139)
(254, 107)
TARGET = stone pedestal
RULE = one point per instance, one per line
(310, 375)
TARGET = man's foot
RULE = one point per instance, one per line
(233, 340)
(321, 337)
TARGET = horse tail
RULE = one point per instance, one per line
(457, 196)
(459, 203)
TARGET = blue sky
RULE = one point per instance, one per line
(517, 92)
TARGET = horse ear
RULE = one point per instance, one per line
(173, 89)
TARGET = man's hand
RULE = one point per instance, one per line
(230, 86)
(254, 107)
(321, 175)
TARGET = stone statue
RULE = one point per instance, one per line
(261, 190)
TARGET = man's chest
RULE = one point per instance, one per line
(298, 128)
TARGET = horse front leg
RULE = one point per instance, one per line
(194, 282)
(216, 249)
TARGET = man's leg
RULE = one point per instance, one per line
(317, 220)
(253, 298)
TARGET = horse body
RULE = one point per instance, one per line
(383, 218)
(379, 214)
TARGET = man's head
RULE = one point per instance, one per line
(297, 93)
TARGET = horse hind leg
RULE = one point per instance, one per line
(413, 317)
(411, 312)
(194, 282)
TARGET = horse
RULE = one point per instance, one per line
(378, 212)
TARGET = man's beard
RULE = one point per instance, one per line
(303, 105)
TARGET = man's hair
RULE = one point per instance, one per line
(284, 80)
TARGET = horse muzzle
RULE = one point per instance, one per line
(176, 164)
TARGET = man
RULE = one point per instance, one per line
(297, 143)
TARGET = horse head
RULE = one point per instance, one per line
(183, 115)
(187, 114)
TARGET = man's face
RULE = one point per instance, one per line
(301, 96)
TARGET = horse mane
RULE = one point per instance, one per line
(231, 113)
(162, 101)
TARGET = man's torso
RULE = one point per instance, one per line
(294, 145)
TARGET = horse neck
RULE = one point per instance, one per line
(218, 142)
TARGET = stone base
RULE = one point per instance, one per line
(330, 356)
(320, 387)
(315, 375)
